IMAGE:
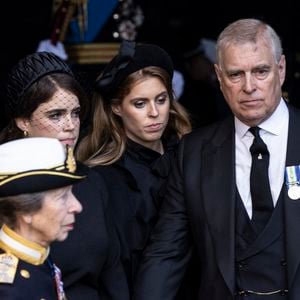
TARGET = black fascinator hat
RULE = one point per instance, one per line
(131, 58)
(26, 72)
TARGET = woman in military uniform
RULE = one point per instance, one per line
(37, 207)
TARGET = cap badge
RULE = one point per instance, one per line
(70, 161)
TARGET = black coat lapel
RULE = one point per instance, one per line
(219, 188)
(292, 207)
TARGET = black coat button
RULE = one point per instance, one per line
(283, 263)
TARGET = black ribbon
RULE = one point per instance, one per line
(121, 61)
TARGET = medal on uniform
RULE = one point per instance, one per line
(292, 177)
(56, 273)
(59, 283)
(294, 192)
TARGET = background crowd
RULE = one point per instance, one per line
(177, 26)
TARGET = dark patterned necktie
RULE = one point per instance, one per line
(262, 203)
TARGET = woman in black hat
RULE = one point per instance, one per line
(37, 207)
(136, 128)
(44, 99)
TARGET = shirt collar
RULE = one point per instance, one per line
(274, 124)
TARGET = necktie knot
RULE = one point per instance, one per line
(255, 131)
(258, 146)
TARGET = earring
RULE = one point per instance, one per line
(25, 133)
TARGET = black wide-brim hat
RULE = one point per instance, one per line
(32, 165)
(26, 72)
(132, 57)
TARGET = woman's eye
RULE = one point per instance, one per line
(161, 100)
(139, 104)
(54, 116)
(76, 113)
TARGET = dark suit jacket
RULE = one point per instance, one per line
(199, 210)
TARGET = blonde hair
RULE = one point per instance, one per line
(106, 141)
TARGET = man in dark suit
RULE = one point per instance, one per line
(246, 244)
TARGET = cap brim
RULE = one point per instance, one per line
(39, 181)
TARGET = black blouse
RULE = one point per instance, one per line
(136, 188)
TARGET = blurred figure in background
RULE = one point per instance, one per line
(201, 95)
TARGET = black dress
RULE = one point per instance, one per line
(89, 258)
(136, 187)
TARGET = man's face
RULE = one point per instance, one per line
(251, 80)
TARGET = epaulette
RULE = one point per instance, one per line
(8, 267)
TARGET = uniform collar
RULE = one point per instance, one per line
(26, 250)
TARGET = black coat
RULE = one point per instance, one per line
(136, 185)
(89, 258)
(199, 209)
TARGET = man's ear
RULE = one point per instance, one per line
(22, 123)
(282, 69)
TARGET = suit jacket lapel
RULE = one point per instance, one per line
(292, 207)
(219, 191)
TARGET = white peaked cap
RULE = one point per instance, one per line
(36, 164)
(31, 154)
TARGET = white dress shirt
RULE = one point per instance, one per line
(274, 132)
